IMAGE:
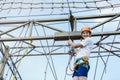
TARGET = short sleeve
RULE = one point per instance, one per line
(85, 42)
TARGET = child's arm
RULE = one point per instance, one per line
(74, 45)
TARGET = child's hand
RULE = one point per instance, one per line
(69, 42)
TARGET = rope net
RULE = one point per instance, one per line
(39, 8)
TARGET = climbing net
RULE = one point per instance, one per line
(54, 7)
(35, 34)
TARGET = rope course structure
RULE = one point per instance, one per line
(34, 35)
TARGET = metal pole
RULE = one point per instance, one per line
(34, 54)
(116, 16)
(49, 27)
(3, 62)
(60, 36)
(14, 28)
(59, 19)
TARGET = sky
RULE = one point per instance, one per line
(54, 67)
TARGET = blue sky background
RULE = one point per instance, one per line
(37, 67)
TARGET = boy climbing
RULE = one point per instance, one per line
(82, 51)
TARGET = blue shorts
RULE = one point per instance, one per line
(81, 70)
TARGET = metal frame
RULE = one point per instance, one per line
(59, 36)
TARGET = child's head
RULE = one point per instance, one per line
(85, 32)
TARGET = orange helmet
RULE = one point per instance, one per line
(86, 28)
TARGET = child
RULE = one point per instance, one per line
(81, 67)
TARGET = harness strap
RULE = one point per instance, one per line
(81, 61)
(71, 53)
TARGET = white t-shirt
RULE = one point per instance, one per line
(86, 49)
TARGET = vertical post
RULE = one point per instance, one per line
(3, 61)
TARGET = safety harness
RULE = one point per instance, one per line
(80, 61)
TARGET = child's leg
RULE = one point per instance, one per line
(82, 78)
(75, 78)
